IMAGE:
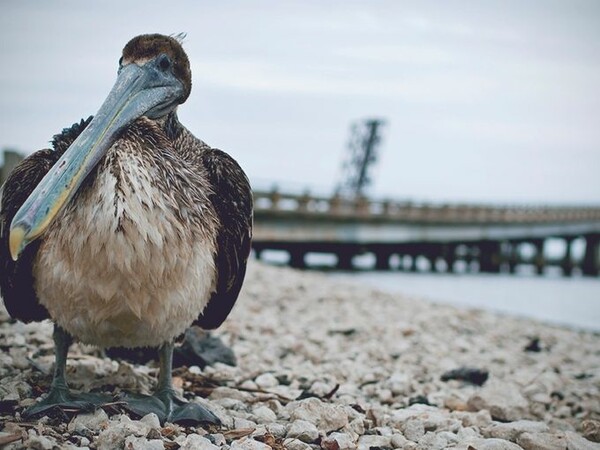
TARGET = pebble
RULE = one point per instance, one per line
(541, 441)
(338, 441)
(195, 442)
(141, 443)
(511, 430)
(93, 422)
(318, 367)
(503, 400)
(325, 416)
(248, 444)
(303, 430)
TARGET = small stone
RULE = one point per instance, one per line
(398, 441)
(468, 374)
(413, 430)
(296, 444)
(217, 438)
(141, 443)
(542, 441)
(365, 442)
(325, 416)
(399, 383)
(511, 430)
(248, 444)
(266, 381)
(94, 422)
(303, 430)
(264, 414)
(40, 443)
(227, 392)
(151, 420)
(591, 430)
(504, 401)
(196, 442)
(433, 441)
(278, 430)
(239, 422)
(492, 444)
(116, 431)
(338, 441)
(576, 442)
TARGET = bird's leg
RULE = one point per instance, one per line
(59, 394)
(165, 403)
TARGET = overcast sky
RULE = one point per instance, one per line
(484, 101)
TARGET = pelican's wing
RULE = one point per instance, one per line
(232, 201)
(16, 278)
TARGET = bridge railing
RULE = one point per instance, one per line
(281, 203)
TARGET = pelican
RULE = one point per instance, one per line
(128, 231)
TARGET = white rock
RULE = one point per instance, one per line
(239, 422)
(433, 441)
(94, 422)
(365, 442)
(248, 444)
(296, 444)
(431, 417)
(278, 430)
(413, 430)
(504, 401)
(36, 442)
(542, 441)
(266, 381)
(511, 430)
(490, 444)
(577, 442)
(325, 416)
(141, 443)
(338, 441)
(264, 414)
(196, 442)
(226, 392)
(116, 431)
(151, 420)
(303, 431)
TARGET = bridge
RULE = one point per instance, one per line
(484, 238)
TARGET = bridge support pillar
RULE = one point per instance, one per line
(449, 256)
(297, 259)
(489, 256)
(590, 264)
(513, 256)
(413, 262)
(539, 259)
(345, 260)
(382, 260)
(567, 262)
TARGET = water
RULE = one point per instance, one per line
(552, 298)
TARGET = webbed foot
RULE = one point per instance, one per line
(169, 408)
(61, 397)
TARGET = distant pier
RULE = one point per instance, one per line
(407, 236)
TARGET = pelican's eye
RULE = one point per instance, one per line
(164, 62)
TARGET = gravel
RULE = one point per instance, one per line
(322, 364)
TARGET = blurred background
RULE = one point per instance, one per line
(489, 106)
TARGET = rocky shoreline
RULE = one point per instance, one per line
(328, 365)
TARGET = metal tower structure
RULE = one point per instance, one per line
(365, 137)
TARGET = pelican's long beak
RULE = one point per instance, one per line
(138, 91)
